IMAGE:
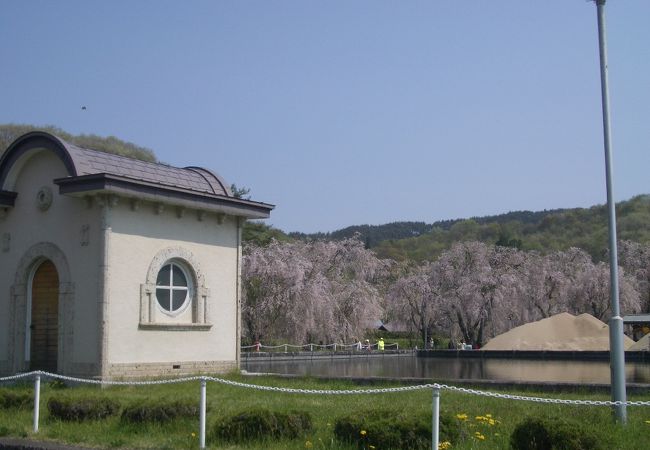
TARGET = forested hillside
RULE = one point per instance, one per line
(545, 231)
(585, 228)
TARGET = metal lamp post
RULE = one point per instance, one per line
(617, 351)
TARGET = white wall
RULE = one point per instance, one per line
(136, 237)
(60, 225)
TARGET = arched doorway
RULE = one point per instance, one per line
(44, 318)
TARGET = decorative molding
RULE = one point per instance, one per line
(108, 200)
(44, 198)
(85, 235)
(199, 293)
(33, 257)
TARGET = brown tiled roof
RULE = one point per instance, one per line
(91, 170)
(88, 162)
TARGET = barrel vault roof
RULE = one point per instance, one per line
(82, 164)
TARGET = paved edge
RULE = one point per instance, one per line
(29, 444)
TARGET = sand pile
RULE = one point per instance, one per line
(563, 331)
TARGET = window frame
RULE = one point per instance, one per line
(152, 314)
(171, 287)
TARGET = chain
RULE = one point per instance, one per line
(332, 391)
(310, 345)
(320, 391)
(16, 377)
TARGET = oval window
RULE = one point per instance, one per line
(172, 288)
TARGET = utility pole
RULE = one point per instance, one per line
(616, 349)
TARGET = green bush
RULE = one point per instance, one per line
(535, 433)
(159, 412)
(260, 424)
(17, 400)
(393, 429)
(82, 408)
(57, 384)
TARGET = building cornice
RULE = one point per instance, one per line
(102, 183)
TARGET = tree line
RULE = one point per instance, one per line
(543, 231)
(299, 291)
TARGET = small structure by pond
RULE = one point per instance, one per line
(112, 266)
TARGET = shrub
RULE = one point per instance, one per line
(18, 400)
(260, 424)
(82, 408)
(159, 412)
(393, 429)
(535, 433)
(58, 384)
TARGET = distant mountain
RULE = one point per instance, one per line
(547, 230)
(372, 235)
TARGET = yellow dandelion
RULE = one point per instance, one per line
(461, 416)
(193, 435)
(488, 415)
(308, 444)
(481, 437)
(444, 445)
(363, 432)
(372, 447)
(648, 422)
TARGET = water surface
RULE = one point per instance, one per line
(448, 369)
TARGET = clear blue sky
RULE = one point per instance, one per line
(348, 112)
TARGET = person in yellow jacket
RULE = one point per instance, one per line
(380, 344)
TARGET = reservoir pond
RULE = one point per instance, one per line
(443, 369)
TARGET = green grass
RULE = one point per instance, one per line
(325, 409)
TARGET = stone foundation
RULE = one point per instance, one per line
(167, 369)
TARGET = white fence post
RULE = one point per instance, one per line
(435, 430)
(202, 415)
(285, 348)
(37, 399)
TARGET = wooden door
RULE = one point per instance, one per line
(44, 326)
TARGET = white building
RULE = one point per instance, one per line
(111, 266)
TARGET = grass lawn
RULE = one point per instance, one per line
(226, 400)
